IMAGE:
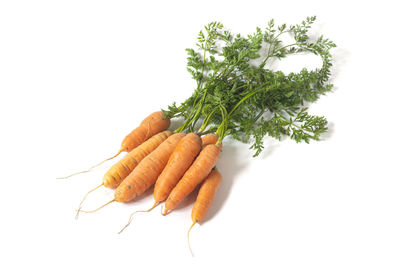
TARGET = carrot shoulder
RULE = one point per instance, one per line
(199, 170)
(152, 124)
(181, 159)
(210, 139)
(148, 170)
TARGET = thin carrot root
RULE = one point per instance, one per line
(84, 198)
(102, 206)
(91, 168)
(130, 218)
(190, 248)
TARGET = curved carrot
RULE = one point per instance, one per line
(119, 171)
(147, 172)
(151, 125)
(205, 197)
(199, 170)
(210, 139)
(181, 159)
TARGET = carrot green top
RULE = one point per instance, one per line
(238, 95)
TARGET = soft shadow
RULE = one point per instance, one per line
(340, 56)
(189, 200)
(329, 133)
(175, 123)
(229, 165)
(270, 145)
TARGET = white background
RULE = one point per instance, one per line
(77, 76)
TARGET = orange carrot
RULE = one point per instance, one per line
(210, 139)
(125, 166)
(180, 160)
(205, 197)
(147, 172)
(199, 170)
(121, 169)
(152, 124)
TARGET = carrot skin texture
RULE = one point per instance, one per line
(199, 170)
(180, 160)
(119, 171)
(148, 170)
(150, 126)
(206, 195)
(210, 139)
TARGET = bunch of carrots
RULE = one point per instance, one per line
(175, 162)
(237, 96)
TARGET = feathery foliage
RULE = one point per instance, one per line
(237, 96)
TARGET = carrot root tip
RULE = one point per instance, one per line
(131, 217)
(84, 198)
(91, 168)
(102, 206)
(190, 248)
(77, 214)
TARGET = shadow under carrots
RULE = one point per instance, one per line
(231, 163)
(230, 166)
(329, 133)
(188, 202)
